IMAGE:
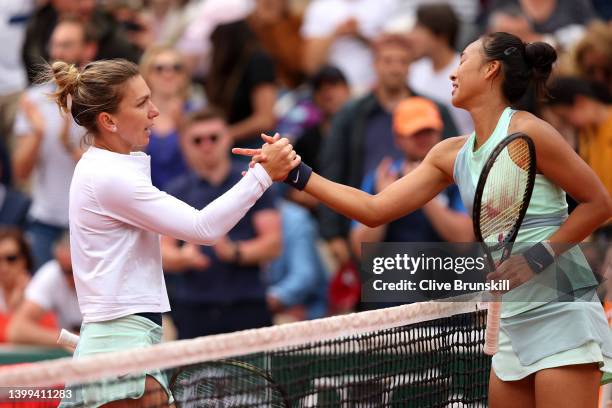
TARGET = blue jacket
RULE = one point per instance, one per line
(298, 277)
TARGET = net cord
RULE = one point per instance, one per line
(183, 352)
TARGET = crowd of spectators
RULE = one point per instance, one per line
(360, 87)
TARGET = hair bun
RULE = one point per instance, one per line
(540, 56)
(66, 77)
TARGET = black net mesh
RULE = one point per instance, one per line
(435, 363)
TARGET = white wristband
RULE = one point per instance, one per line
(68, 339)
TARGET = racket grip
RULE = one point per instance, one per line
(68, 339)
(492, 332)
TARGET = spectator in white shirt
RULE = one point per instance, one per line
(338, 32)
(50, 290)
(47, 144)
(433, 39)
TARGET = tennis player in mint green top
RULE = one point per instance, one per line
(551, 354)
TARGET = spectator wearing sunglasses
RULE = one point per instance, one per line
(51, 291)
(15, 267)
(220, 288)
(165, 71)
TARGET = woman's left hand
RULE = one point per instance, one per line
(515, 269)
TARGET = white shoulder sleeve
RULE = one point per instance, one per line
(135, 201)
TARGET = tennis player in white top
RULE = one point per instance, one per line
(117, 216)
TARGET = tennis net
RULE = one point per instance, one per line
(423, 355)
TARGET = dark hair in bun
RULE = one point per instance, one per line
(523, 65)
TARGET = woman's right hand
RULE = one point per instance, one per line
(256, 155)
(280, 159)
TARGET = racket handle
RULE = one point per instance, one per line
(68, 339)
(492, 333)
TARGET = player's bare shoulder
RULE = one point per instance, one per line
(443, 154)
(530, 124)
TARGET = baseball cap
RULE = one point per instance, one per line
(415, 114)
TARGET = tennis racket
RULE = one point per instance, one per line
(500, 203)
(225, 384)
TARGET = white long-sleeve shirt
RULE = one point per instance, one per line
(116, 218)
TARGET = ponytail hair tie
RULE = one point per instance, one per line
(509, 51)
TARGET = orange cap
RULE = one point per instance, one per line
(415, 114)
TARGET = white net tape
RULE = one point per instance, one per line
(183, 352)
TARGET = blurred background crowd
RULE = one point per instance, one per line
(360, 87)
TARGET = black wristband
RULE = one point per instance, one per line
(538, 258)
(298, 177)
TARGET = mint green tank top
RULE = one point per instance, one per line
(546, 212)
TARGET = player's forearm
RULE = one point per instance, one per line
(26, 332)
(134, 200)
(349, 201)
(304, 199)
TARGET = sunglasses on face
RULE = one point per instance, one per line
(176, 68)
(11, 258)
(198, 140)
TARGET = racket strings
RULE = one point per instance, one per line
(503, 221)
(504, 191)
